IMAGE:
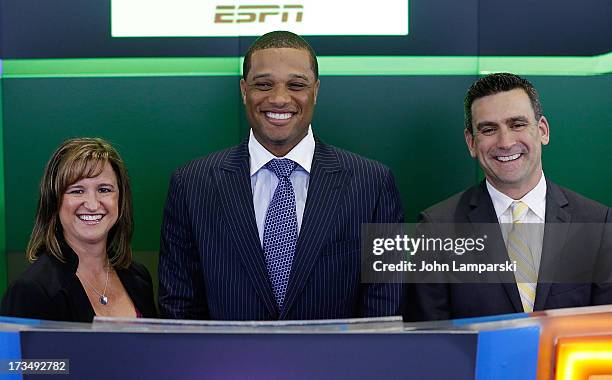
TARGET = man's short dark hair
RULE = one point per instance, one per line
(276, 40)
(496, 83)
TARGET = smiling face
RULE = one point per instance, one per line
(90, 208)
(279, 95)
(507, 140)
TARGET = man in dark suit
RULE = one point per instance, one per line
(270, 229)
(505, 130)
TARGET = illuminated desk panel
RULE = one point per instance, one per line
(298, 350)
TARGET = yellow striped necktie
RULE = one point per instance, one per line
(518, 250)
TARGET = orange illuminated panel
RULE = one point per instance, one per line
(562, 324)
(584, 358)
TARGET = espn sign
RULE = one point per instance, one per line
(257, 13)
(234, 18)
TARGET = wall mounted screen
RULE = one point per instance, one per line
(230, 18)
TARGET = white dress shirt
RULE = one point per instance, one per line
(264, 181)
(536, 201)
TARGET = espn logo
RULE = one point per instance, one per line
(256, 13)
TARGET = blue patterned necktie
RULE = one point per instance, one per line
(280, 229)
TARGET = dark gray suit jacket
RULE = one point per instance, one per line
(212, 265)
(567, 247)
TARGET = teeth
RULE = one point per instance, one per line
(90, 217)
(278, 116)
(509, 158)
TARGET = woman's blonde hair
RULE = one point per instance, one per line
(74, 160)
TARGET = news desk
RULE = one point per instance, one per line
(516, 346)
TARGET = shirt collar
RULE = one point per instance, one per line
(302, 153)
(534, 199)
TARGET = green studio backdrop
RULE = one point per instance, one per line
(414, 124)
(396, 99)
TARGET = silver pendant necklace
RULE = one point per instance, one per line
(103, 297)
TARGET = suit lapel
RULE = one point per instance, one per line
(555, 232)
(326, 180)
(483, 213)
(234, 185)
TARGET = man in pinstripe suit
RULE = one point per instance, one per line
(242, 242)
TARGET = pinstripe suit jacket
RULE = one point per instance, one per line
(212, 265)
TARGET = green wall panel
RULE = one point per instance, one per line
(413, 124)
(157, 124)
(406, 123)
(3, 254)
(579, 111)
